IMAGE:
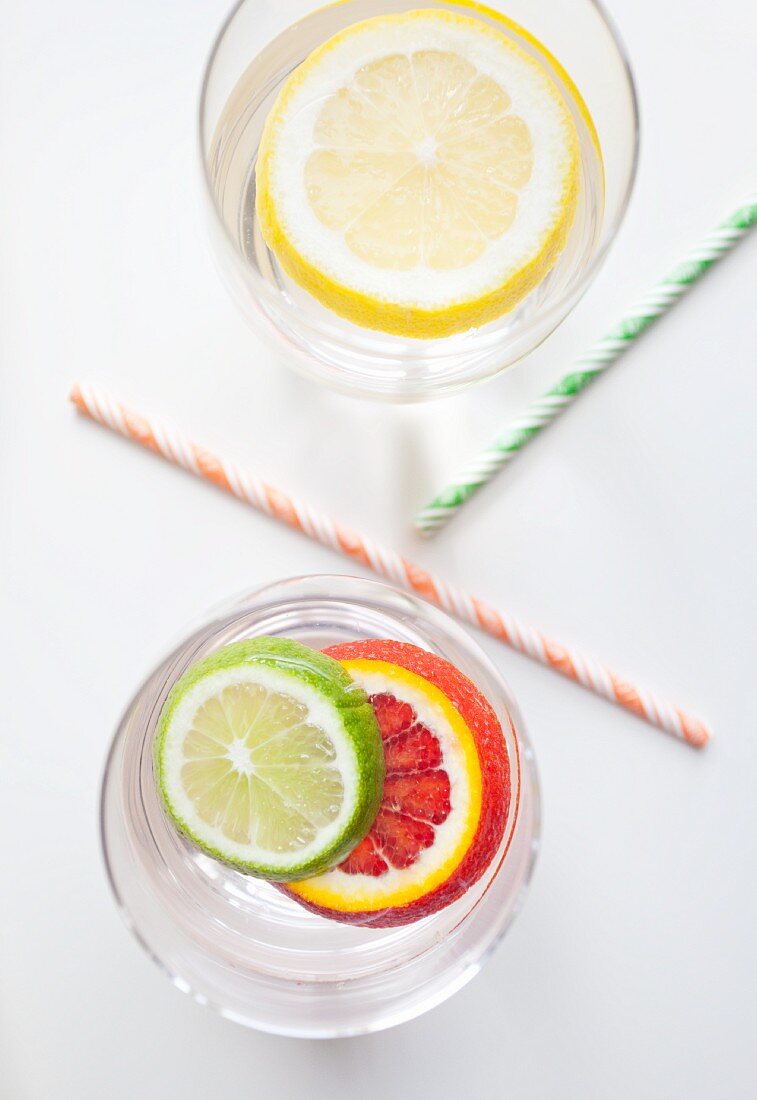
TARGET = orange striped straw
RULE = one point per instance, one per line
(387, 563)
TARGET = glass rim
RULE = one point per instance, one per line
(548, 319)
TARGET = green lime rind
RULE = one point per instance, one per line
(332, 681)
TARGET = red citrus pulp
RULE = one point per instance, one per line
(446, 793)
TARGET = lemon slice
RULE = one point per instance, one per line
(269, 758)
(418, 174)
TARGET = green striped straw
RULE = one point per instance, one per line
(596, 360)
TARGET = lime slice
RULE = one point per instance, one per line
(418, 173)
(268, 757)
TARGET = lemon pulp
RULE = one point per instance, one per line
(419, 161)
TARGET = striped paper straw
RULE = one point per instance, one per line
(583, 372)
(387, 563)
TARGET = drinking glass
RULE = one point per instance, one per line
(261, 43)
(240, 945)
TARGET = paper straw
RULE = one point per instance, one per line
(597, 359)
(387, 563)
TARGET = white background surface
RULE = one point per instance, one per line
(629, 529)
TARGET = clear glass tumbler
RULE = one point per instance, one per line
(240, 945)
(261, 43)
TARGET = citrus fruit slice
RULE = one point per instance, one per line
(268, 756)
(418, 173)
(446, 792)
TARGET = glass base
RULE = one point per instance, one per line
(240, 945)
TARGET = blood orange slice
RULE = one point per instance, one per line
(446, 792)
